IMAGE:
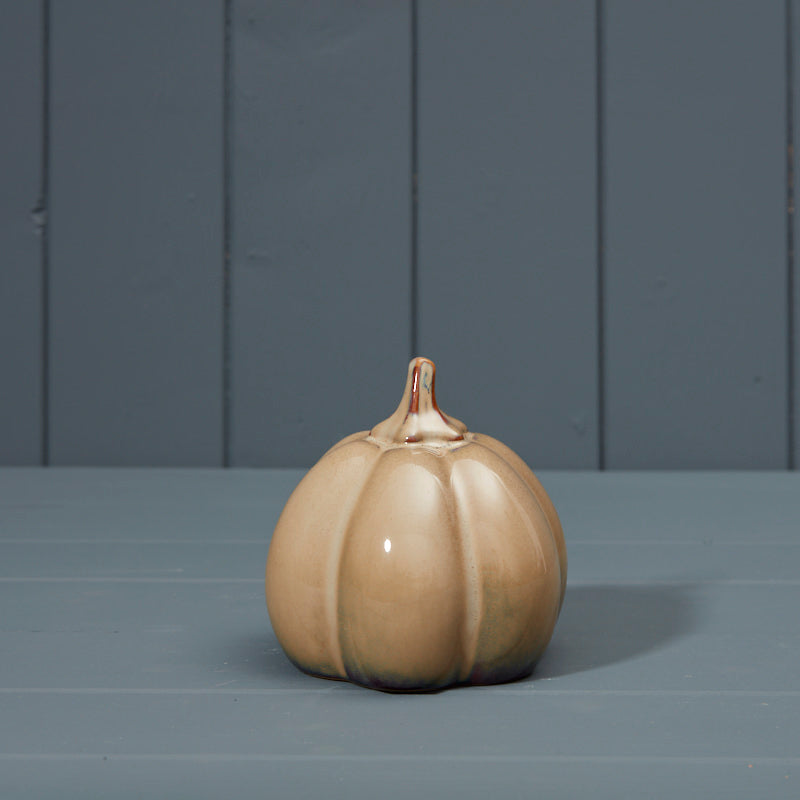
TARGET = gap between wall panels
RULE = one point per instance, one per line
(44, 210)
(414, 186)
(227, 102)
(790, 282)
(600, 221)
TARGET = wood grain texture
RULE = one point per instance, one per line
(21, 95)
(695, 234)
(507, 234)
(136, 237)
(321, 233)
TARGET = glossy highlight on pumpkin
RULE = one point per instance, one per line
(417, 555)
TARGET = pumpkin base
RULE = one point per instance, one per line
(487, 680)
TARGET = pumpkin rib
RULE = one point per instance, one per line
(473, 594)
(537, 542)
(419, 644)
(336, 570)
(523, 480)
(548, 509)
(297, 540)
(521, 652)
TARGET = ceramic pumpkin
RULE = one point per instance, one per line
(417, 555)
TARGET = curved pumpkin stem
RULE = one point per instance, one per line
(418, 417)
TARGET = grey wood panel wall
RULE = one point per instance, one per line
(695, 234)
(321, 230)
(507, 221)
(235, 270)
(136, 197)
(21, 90)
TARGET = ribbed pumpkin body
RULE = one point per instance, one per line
(416, 565)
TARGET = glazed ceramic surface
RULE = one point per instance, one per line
(417, 555)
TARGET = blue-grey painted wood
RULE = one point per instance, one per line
(321, 230)
(673, 665)
(394, 778)
(507, 213)
(487, 725)
(136, 232)
(695, 234)
(21, 88)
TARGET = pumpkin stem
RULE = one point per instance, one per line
(418, 417)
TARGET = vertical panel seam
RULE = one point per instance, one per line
(414, 265)
(790, 303)
(790, 283)
(43, 211)
(226, 234)
(600, 221)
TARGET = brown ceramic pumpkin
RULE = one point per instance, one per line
(417, 555)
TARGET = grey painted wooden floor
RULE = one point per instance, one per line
(138, 660)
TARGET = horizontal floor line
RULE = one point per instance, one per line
(109, 579)
(209, 691)
(129, 540)
(689, 583)
(709, 541)
(744, 761)
(534, 689)
(193, 542)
